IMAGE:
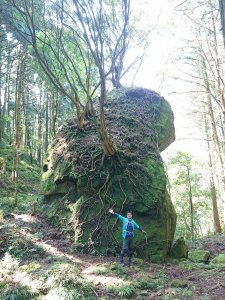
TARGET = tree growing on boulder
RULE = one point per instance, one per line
(77, 49)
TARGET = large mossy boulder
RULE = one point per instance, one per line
(80, 183)
(199, 256)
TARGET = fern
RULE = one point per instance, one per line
(15, 292)
(123, 290)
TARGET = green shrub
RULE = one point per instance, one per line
(64, 282)
(24, 249)
(122, 290)
(118, 269)
(13, 291)
(178, 283)
(101, 270)
(146, 283)
(8, 264)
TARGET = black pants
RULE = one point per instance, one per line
(127, 247)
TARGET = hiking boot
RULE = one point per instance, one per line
(121, 259)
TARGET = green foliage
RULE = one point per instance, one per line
(18, 196)
(13, 291)
(178, 293)
(30, 267)
(138, 261)
(101, 270)
(8, 264)
(182, 168)
(219, 259)
(114, 268)
(118, 269)
(64, 282)
(199, 255)
(22, 248)
(21, 202)
(147, 283)
(186, 293)
(122, 290)
(178, 283)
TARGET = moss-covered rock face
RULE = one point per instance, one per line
(80, 183)
(179, 249)
(219, 259)
(199, 255)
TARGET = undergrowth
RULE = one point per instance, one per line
(61, 281)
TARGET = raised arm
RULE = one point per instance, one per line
(139, 228)
(111, 211)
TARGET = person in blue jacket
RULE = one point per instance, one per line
(128, 234)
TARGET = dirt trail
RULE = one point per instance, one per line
(203, 283)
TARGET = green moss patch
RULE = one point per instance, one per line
(219, 259)
(199, 255)
(177, 283)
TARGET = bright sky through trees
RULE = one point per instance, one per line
(160, 71)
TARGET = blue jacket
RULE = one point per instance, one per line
(125, 222)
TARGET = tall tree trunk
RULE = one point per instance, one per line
(27, 127)
(53, 113)
(18, 106)
(219, 79)
(222, 18)
(46, 122)
(216, 218)
(6, 93)
(215, 135)
(190, 197)
(39, 129)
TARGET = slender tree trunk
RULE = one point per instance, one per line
(215, 135)
(27, 126)
(46, 122)
(222, 18)
(219, 79)
(53, 113)
(39, 129)
(216, 218)
(189, 187)
(6, 93)
(18, 106)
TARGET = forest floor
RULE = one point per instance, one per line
(38, 262)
